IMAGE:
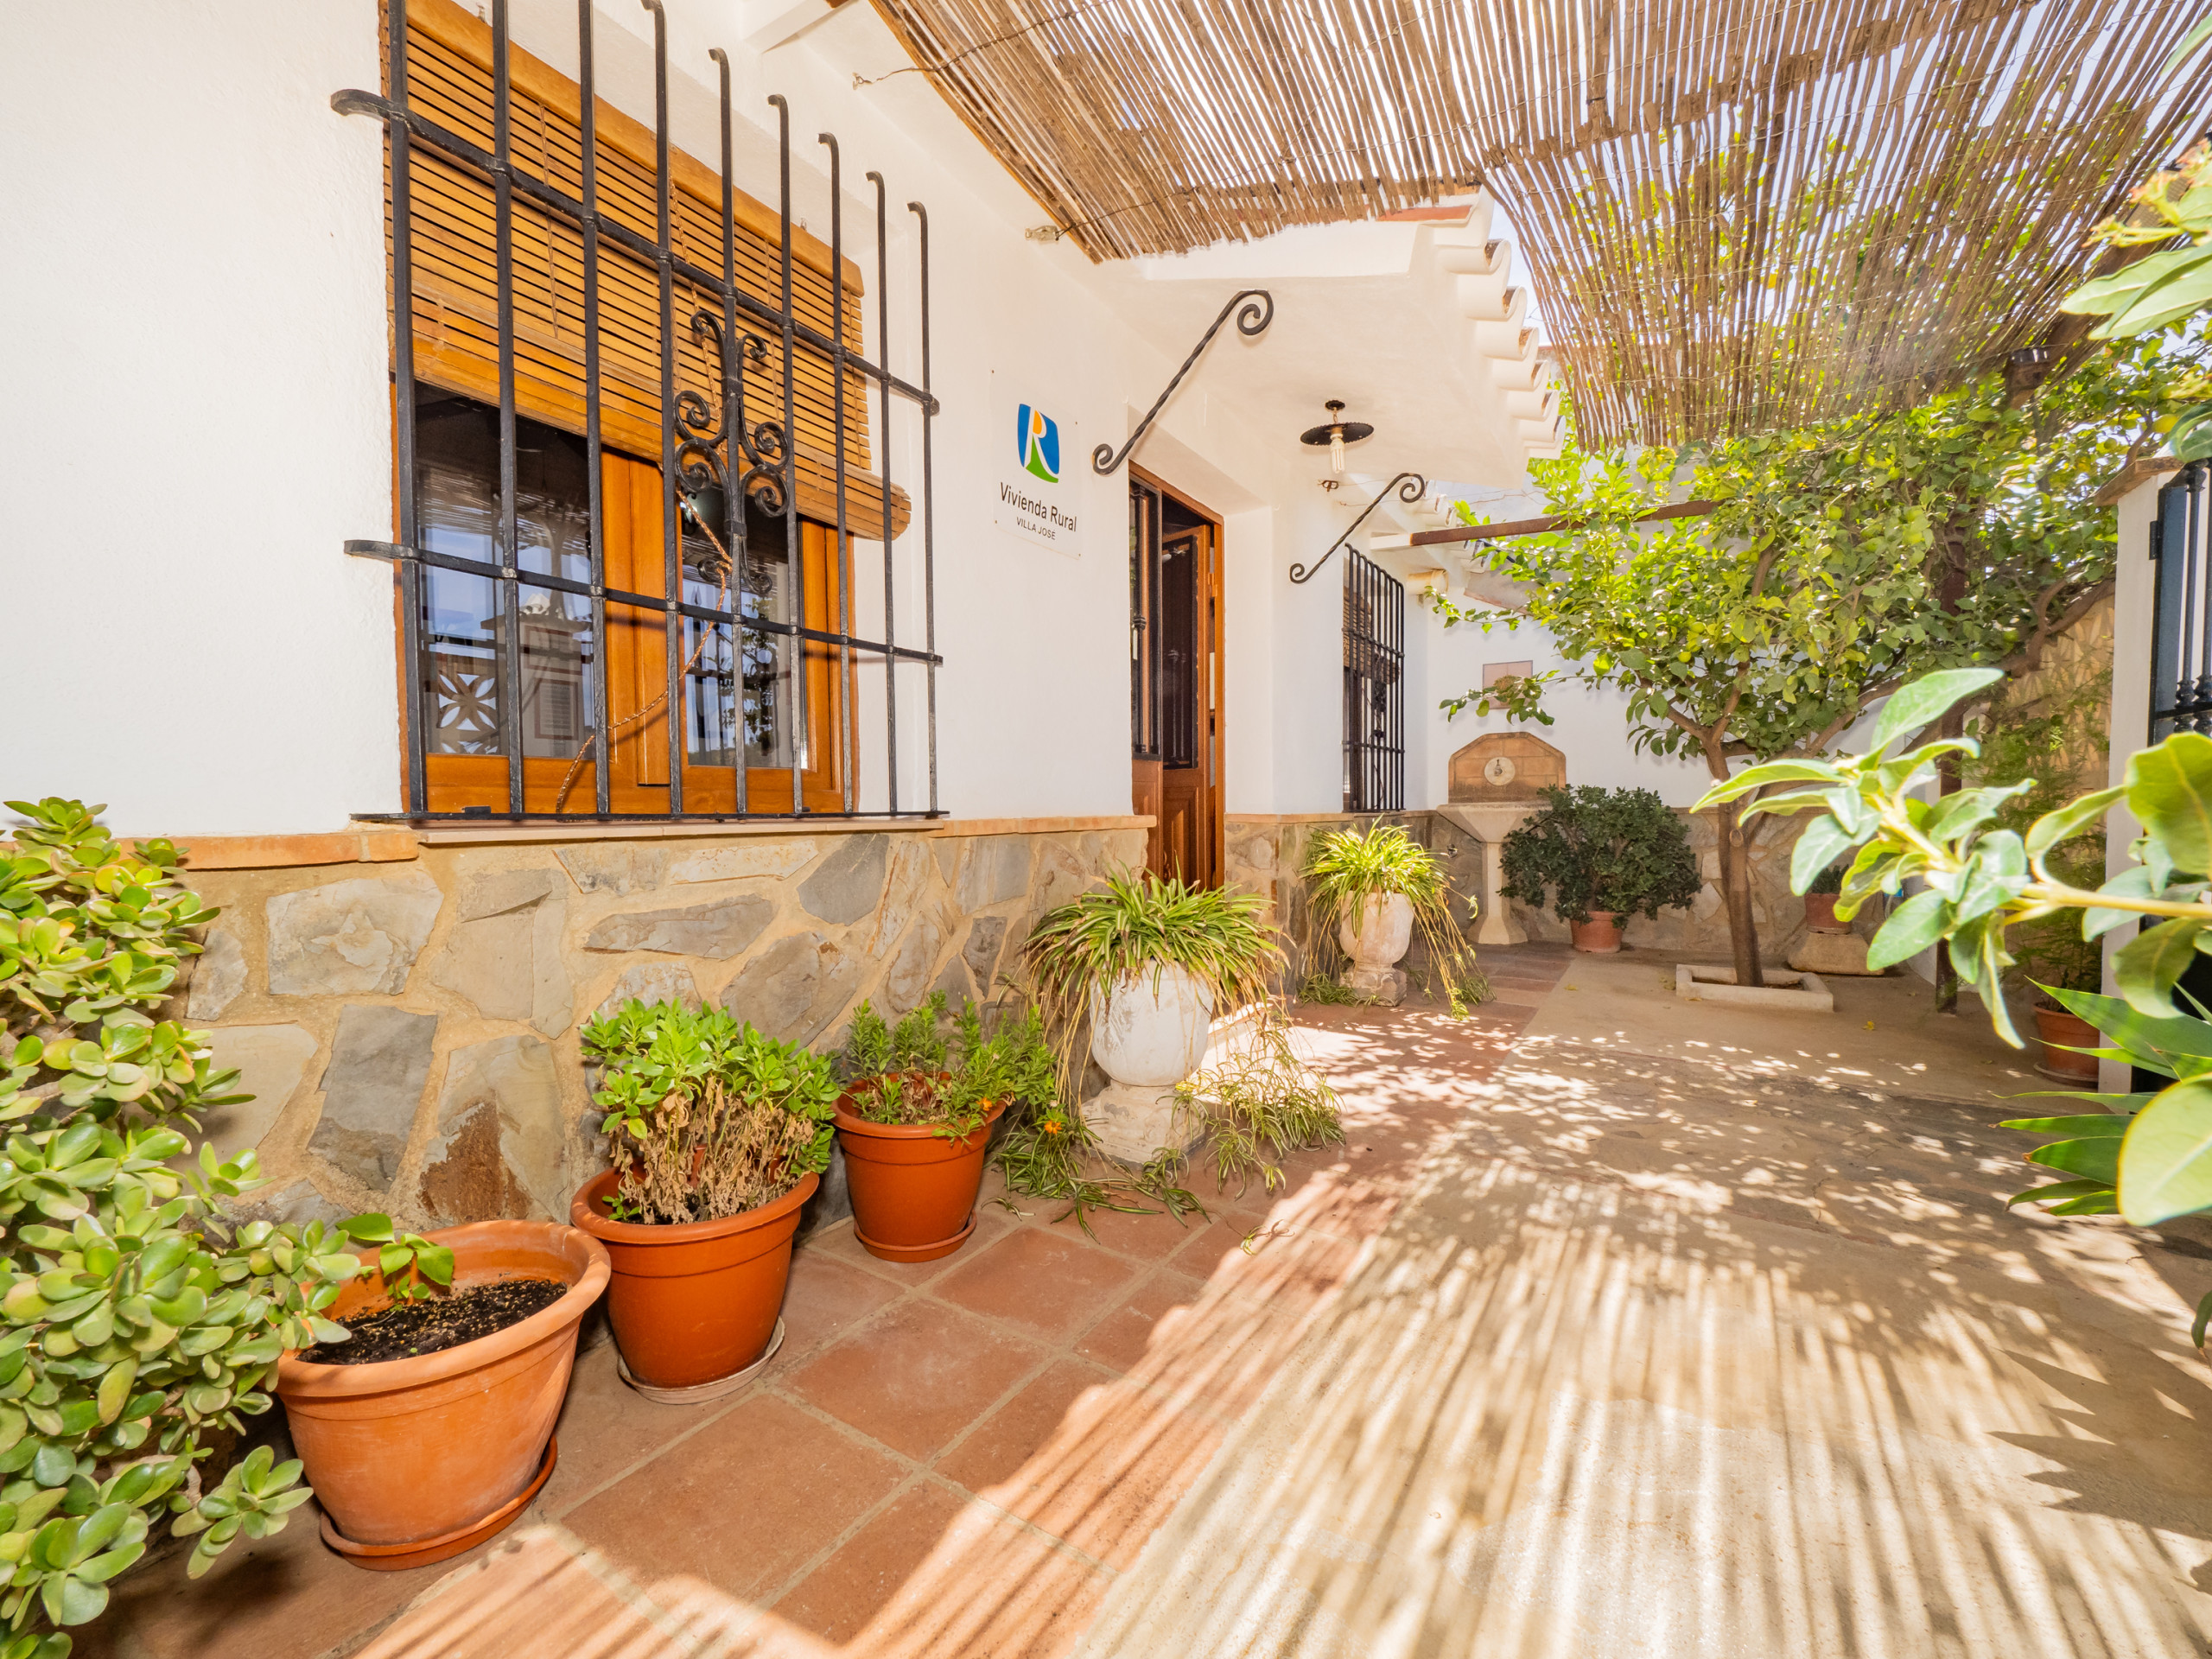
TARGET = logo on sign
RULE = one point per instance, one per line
(1037, 443)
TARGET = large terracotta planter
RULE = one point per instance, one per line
(414, 1460)
(1600, 935)
(695, 1304)
(1819, 914)
(2057, 1026)
(913, 1190)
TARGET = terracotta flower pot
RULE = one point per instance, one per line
(913, 1190)
(695, 1303)
(1819, 914)
(2057, 1026)
(414, 1460)
(1600, 935)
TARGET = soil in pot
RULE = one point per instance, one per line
(913, 1186)
(433, 1324)
(694, 1303)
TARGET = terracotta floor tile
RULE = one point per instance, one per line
(607, 1427)
(531, 1593)
(1043, 1280)
(1120, 1340)
(992, 1589)
(827, 1298)
(839, 1598)
(916, 1376)
(1152, 1237)
(839, 1244)
(997, 1447)
(742, 1504)
(1108, 1460)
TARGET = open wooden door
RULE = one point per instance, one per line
(1176, 680)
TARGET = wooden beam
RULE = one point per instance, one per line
(1548, 522)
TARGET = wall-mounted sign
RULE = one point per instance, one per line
(1035, 474)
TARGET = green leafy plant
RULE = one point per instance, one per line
(1592, 849)
(138, 1318)
(2164, 289)
(1978, 881)
(1828, 880)
(1134, 924)
(917, 1073)
(1138, 922)
(1840, 561)
(1258, 1106)
(1346, 868)
(706, 1117)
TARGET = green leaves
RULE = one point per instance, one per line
(2170, 792)
(2165, 1162)
(1914, 706)
(2147, 967)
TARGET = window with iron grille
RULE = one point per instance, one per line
(2181, 642)
(636, 457)
(1375, 715)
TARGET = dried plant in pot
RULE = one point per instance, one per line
(915, 1120)
(1599, 855)
(717, 1135)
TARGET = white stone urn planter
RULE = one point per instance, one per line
(1147, 1036)
(1377, 945)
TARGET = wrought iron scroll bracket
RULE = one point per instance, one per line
(1259, 310)
(1410, 486)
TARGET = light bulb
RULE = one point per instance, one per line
(1337, 450)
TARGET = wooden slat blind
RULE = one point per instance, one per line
(456, 282)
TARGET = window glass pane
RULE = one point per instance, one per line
(740, 676)
(457, 504)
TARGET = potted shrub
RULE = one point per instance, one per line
(141, 1319)
(1601, 854)
(1370, 889)
(915, 1122)
(1820, 901)
(717, 1135)
(2054, 957)
(1147, 964)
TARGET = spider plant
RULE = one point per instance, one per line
(1109, 936)
(1346, 868)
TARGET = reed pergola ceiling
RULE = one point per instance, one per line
(1736, 213)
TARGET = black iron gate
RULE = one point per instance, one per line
(1375, 712)
(2181, 645)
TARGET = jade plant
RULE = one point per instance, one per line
(1591, 849)
(706, 1117)
(139, 1318)
(1346, 868)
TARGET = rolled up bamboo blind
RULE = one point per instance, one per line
(457, 279)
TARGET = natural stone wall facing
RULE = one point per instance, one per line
(411, 1036)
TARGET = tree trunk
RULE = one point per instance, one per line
(1736, 889)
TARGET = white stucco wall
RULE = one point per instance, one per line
(195, 416)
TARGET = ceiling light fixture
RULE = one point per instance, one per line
(1337, 433)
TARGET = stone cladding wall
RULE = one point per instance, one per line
(409, 1031)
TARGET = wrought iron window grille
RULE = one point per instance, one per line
(701, 446)
(2181, 645)
(1374, 670)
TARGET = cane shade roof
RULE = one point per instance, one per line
(1736, 214)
